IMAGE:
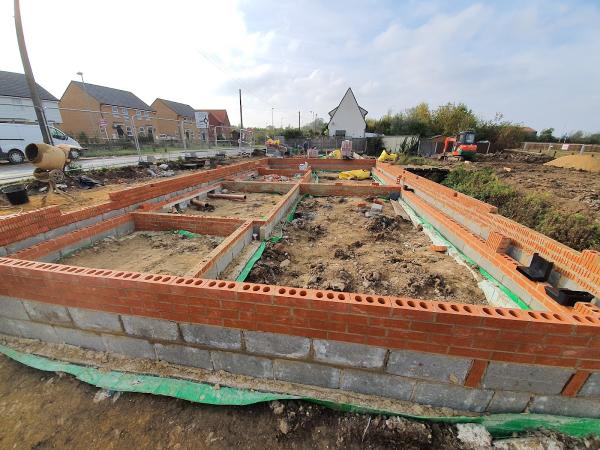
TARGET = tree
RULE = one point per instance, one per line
(546, 135)
(449, 119)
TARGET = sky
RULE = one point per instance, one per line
(536, 62)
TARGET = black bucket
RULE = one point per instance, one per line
(16, 194)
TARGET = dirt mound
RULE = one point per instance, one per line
(514, 157)
(589, 163)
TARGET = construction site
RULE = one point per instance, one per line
(283, 280)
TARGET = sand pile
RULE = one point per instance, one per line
(591, 163)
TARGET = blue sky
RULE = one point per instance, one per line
(537, 62)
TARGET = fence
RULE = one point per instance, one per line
(553, 147)
(369, 146)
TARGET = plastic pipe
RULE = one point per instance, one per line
(47, 157)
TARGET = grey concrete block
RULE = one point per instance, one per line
(66, 251)
(452, 396)
(211, 336)
(12, 308)
(277, 344)
(43, 312)
(33, 330)
(307, 373)
(95, 320)
(80, 338)
(137, 348)
(379, 384)
(57, 232)
(348, 354)
(253, 366)
(150, 328)
(525, 378)
(87, 222)
(565, 406)
(429, 366)
(508, 402)
(591, 388)
(113, 213)
(187, 356)
(49, 257)
(3, 252)
(9, 326)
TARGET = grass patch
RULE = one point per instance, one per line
(534, 210)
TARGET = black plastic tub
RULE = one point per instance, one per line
(16, 194)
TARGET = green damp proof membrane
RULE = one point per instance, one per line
(186, 234)
(498, 425)
(428, 226)
(263, 245)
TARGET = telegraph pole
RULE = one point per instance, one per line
(241, 118)
(298, 120)
(35, 96)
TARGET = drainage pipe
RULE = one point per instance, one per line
(47, 157)
(238, 197)
(199, 203)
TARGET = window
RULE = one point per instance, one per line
(147, 115)
(128, 130)
(141, 130)
(138, 114)
(115, 110)
(57, 134)
(124, 111)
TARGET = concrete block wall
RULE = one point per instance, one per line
(214, 226)
(280, 211)
(411, 375)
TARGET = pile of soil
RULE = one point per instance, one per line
(589, 163)
(332, 245)
(159, 252)
(513, 157)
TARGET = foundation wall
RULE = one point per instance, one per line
(280, 211)
(214, 226)
(462, 383)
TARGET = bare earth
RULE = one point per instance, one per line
(256, 206)
(160, 252)
(330, 246)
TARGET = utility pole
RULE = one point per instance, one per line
(35, 96)
(241, 117)
(298, 120)
(92, 126)
(272, 125)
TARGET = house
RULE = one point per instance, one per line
(219, 124)
(104, 112)
(348, 119)
(170, 116)
(16, 104)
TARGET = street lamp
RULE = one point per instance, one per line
(272, 125)
(92, 126)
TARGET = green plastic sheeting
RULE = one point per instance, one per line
(261, 248)
(499, 425)
(186, 234)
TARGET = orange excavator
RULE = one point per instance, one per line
(462, 146)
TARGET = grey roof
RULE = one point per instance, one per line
(15, 85)
(112, 96)
(181, 109)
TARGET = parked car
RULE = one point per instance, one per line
(14, 137)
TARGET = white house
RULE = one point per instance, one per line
(16, 104)
(348, 119)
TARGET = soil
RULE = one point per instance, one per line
(569, 190)
(589, 163)
(332, 245)
(46, 410)
(160, 252)
(235, 267)
(256, 206)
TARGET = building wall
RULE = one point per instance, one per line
(348, 117)
(21, 109)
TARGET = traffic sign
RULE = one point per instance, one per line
(201, 119)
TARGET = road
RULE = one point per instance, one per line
(11, 173)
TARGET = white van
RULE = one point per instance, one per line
(14, 137)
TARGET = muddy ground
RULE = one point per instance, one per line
(256, 206)
(332, 245)
(570, 190)
(161, 252)
(46, 410)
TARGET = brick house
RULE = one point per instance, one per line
(218, 118)
(169, 115)
(104, 112)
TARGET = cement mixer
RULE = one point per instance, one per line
(49, 162)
